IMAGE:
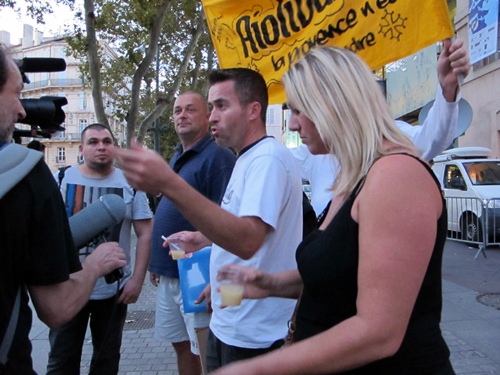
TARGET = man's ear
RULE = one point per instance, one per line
(254, 110)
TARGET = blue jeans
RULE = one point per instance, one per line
(106, 325)
(220, 354)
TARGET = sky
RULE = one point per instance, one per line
(54, 23)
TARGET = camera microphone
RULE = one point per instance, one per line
(91, 223)
(45, 113)
(41, 64)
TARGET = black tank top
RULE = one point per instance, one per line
(328, 264)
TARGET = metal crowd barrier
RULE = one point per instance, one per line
(474, 221)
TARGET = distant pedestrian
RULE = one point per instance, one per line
(37, 145)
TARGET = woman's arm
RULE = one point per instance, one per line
(259, 284)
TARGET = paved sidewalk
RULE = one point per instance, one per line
(471, 329)
(141, 352)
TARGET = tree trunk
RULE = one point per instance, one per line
(163, 104)
(210, 65)
(94, 63)
(142, 70)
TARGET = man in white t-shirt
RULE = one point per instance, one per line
(107, 309)
(431, 138)
(259, 224)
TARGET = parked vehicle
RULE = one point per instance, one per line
(471, 185)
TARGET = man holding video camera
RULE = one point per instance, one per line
(37, 253)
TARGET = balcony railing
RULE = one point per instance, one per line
(73, 136)
(64, 136)
(54, 82)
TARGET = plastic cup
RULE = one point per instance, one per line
(231, 288)
(176, 250)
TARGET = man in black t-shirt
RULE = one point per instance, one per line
(37, 254)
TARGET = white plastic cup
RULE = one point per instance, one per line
(176, 250)
(231, 288)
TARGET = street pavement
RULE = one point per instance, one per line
(470, 321)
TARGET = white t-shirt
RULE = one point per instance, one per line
(78, 191)
(265, 183)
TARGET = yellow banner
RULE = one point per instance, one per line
(271, 35)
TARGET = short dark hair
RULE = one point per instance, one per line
(249, 86)
(4, 65)
(36, 145)
(99, 127)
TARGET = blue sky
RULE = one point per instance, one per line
(54, 23)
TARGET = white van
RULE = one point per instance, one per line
(471, 185)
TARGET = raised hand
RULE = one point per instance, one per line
(453, 66)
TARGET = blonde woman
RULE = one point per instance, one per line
(371, 275)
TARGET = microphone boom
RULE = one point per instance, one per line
(94, 220)
(41, 64)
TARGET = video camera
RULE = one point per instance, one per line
(45, 114)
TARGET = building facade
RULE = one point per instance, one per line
(62, 147)
(481, 88)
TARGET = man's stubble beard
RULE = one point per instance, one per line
(101, 168)
(223, 142)
(6, 129)
(5, 137)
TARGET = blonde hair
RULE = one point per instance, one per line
(339, 94)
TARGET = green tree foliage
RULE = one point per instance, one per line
(135, 29)
(36, 9)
